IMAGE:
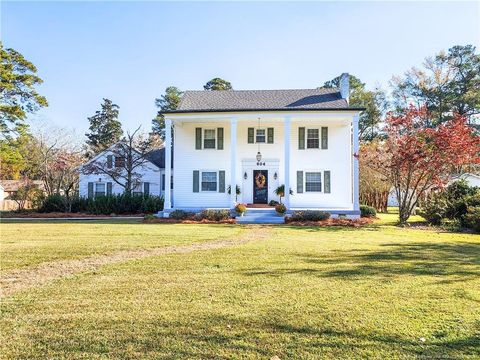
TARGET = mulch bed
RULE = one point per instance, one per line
(332, 222)
(59, 215)
(175, 221)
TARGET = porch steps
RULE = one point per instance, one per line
(260, 216)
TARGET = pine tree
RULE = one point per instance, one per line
(105, 128)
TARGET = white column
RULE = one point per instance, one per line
(286, 176)
(356, 147)
(233, 161)
(168, 163)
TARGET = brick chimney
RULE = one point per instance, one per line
(345, 86)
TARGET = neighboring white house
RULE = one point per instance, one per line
(152, 181)
(306, 139)
(471, 179)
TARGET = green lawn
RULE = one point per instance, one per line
(24, 244)
(307, 293)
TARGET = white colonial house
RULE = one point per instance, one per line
(305, 139)
(151, 182)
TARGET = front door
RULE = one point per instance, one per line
(260, 186)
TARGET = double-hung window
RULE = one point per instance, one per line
(209, 181)
(137, 189)
(209, 139)
(100, 189)
(119, 161)
(313, 139)
(313, 182)
(260, 136)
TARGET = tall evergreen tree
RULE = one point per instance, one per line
(373, 100)
(169, 101)
(18, 96)
(217, 84)
(105, 128)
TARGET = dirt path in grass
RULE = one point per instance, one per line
(21, 279)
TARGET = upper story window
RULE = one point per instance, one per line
(260, 136)
(119, 161)
(209, 181)
(313, 139)
(209, 139)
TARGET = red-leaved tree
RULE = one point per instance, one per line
(416, 158)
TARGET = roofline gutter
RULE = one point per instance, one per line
(259, 110)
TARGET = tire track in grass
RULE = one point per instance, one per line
(21, 279)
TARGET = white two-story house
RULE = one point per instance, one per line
(305, 139)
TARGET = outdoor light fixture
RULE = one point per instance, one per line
(259, 156)
(275, 176)
(245, 175)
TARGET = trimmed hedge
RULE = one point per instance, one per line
(213, 215)
(181, 215)
(104, 205)
(309, 215)
(367, 211)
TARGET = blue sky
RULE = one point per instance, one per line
(131, 51)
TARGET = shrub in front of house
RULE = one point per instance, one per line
(181, 215)
(53, 203)
(104, 205)
(309, 215)
(213, 215)
(456, 204)
(280, 208)
(273, 203)
(367, 211)
(472, 218)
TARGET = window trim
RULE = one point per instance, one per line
(140, 186)
(305, 181)
(120, 162)
(201, 181)
(215, 138)
(319, 138)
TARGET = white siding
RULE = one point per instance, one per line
(337, 159)
(150, 173)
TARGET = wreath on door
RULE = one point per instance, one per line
(260, 180)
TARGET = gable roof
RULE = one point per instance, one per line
(157, 157)
(262, 100)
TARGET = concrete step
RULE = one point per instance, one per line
(260, 217)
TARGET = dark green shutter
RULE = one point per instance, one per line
(146, 188)
(109, 188)
(198, 138)
(269, 135)
(196, 181)
(324, 137)
(90, 189)
(109, 161)
(301, 138)
(221, 181)
(299, 182)
(220, 138)
(163, 181)
(251, 135)
(326, 180)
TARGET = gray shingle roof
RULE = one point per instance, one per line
(245, 100)
(157, 157)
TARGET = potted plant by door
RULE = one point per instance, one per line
(281, 209)
(280, 192)
(241, 209)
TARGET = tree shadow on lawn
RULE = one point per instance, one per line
(450, 262)
(215, 334)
